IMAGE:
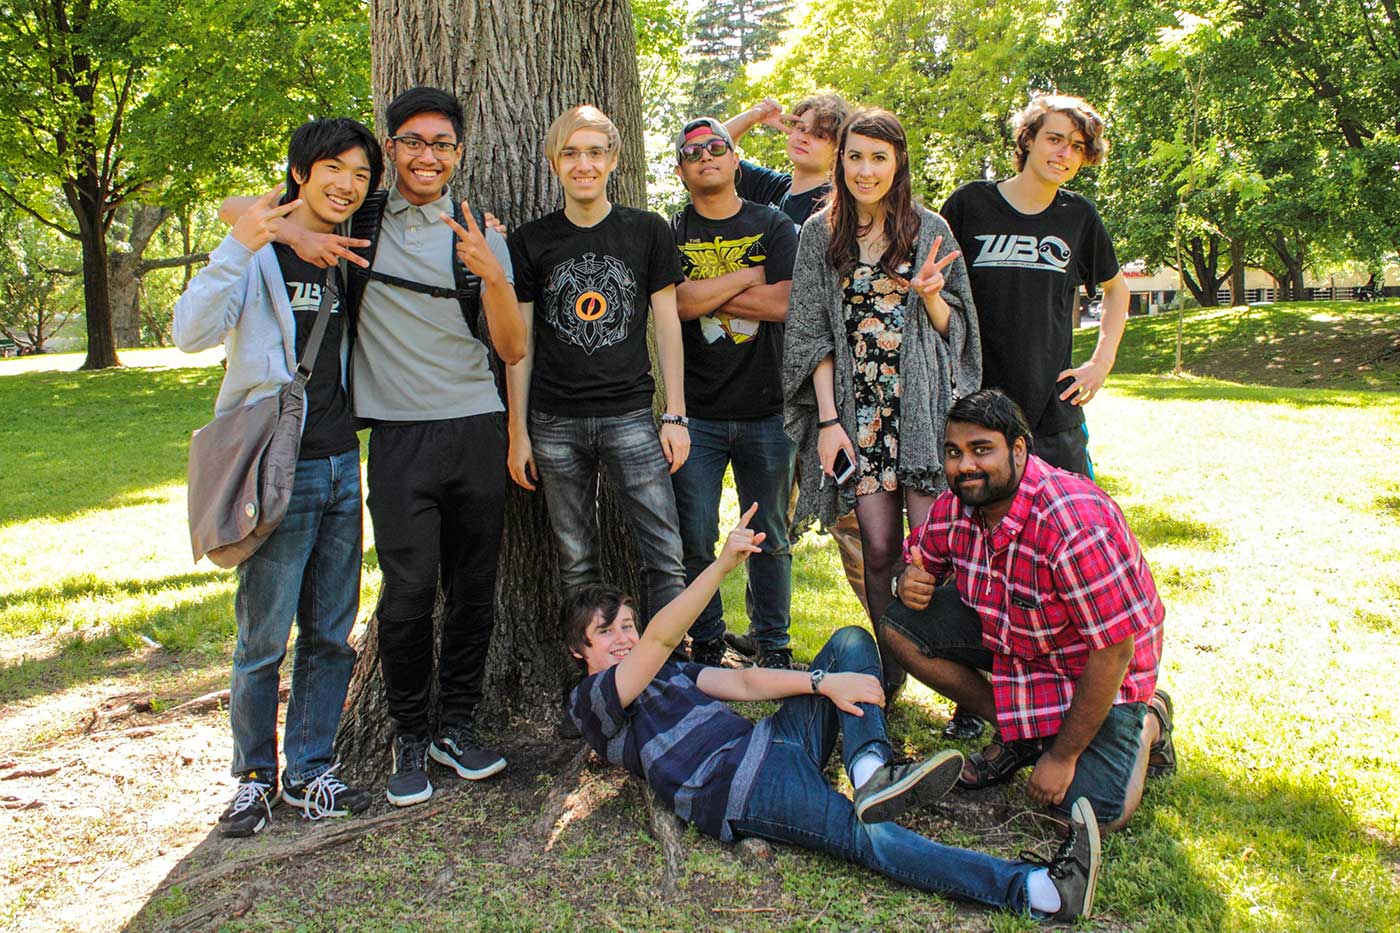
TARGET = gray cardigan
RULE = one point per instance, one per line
(935, 371)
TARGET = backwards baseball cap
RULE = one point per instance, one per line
(702, 128)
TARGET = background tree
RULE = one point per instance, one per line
(105, 101)
(35, 267)
(725, 37)
(515, 65)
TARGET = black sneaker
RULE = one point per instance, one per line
(325, 795)
(408, 779)
(742, 644)
(462, 750)
(710, 653)
(777, 658)
(1075, 867)
(963, 727)
(251, 808)
(898, 787)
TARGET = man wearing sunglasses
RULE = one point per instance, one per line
(737, 258)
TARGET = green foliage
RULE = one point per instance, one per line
(951, 72)
(36, 299)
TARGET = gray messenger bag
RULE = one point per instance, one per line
(243, 464)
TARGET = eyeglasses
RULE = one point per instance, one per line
(691, 152)
(593, 154)
(414, 146)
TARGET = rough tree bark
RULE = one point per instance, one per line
(515, 64)
(140, 223)
(1236, 271)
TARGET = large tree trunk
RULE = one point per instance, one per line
(515, 65)
(138, 223)
(97, 300)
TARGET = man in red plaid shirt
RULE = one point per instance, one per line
(1044, 587)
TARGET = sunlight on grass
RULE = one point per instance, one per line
(1276, 555)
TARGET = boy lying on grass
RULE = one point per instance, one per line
(667, 722)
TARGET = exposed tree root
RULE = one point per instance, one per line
(668, 830)
(560, 806)
(302, 847)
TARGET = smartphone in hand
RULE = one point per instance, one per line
(843, 469)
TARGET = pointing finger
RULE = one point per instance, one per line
(932, 254)
(747, 516)
(271, 197)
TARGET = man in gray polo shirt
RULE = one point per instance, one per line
(437, 449)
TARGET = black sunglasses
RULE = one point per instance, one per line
(691, 152)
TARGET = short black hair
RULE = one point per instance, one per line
(327, 138)
(992, 409)
(582, 603)
(418, 100)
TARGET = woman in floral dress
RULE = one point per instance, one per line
(881, 339)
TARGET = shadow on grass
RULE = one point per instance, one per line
(99, 439)
(204, 624)
(1388, 506)
(87, 586)
(1153, 526)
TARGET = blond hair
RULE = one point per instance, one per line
(1086, 119)
(582, 117)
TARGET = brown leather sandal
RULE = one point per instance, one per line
(1161, 755)
(1010, 758)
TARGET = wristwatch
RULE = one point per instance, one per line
(818, 675)
(894, 584)
(681, 420)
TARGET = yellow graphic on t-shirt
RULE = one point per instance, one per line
(711, 260)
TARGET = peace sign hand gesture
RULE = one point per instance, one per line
(472, 248)
(929, 282)
(258, 225)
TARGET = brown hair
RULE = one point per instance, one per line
(584, 602)
(829, 111)
(901, 218)
(1086, 119)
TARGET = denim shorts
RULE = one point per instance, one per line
(951, 630)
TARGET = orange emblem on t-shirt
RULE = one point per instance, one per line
(590, 306)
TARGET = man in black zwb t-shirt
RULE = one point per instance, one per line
(737, 258)
(1029, 245)
(261, 302)
(586, 278)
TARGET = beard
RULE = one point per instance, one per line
(988, 492)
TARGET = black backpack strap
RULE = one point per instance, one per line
(468, 284)
(363, 226)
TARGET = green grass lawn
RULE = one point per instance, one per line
(1263, 485)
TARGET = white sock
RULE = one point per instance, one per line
(1042, 892)
(865, 766)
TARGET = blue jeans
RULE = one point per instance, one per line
(569, 453)
(763, 463)
(309, 569)
(792, 802)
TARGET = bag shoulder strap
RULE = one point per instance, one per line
(329, 292)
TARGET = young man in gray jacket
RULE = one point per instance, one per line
(260, 300)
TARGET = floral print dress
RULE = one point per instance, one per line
(875, 330)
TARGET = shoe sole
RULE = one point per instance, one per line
(443, 758)
(409, 799)
(1080, 810)
(1164, 749)
(919, 787)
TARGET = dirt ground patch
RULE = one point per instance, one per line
(112, 790)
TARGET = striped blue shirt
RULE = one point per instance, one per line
(698, 755)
